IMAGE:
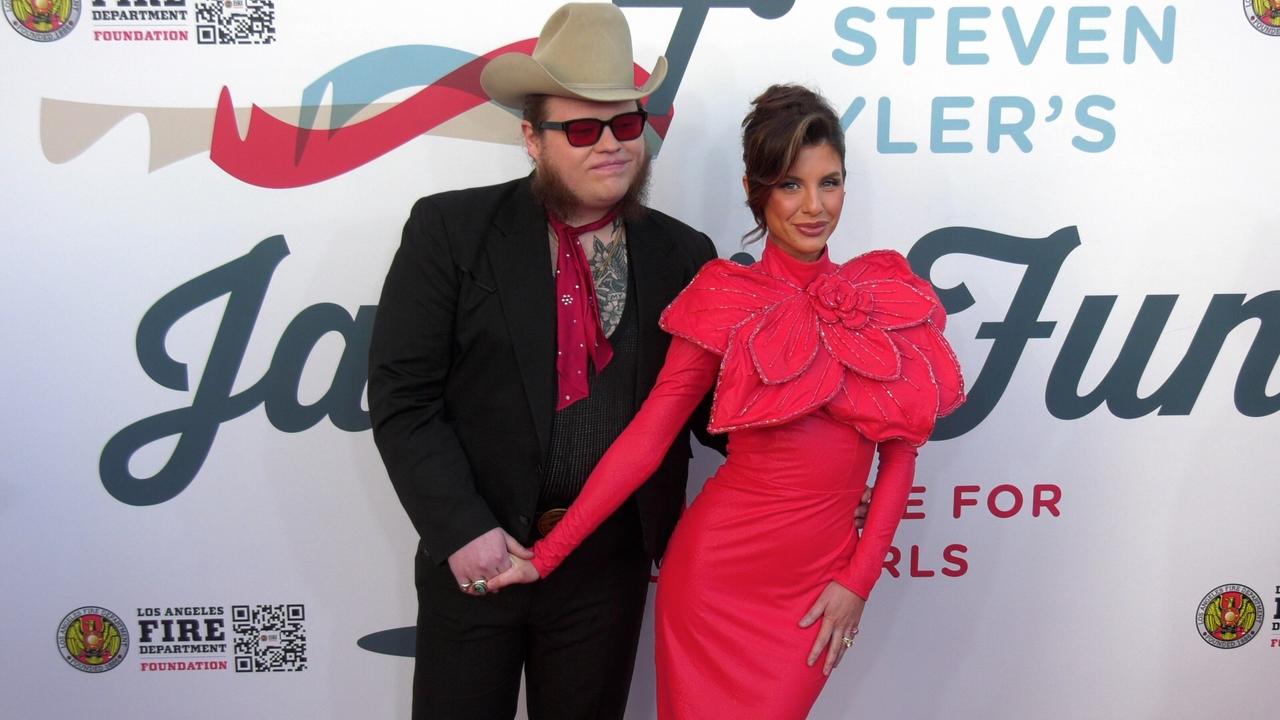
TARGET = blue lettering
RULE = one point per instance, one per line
(909, 16)
(1027, 50)
(845, 31)
(940, 123)
(1106, 131)
(957, 35)
(883, 143)
(1077, 35)
(852, 113)
(1016, 130)
(1162, 45)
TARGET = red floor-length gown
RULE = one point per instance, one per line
(815, 366)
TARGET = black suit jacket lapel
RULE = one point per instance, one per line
(520, 256)
(656, 282)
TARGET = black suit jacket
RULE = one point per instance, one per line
(462, 380)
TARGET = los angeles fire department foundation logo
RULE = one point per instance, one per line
(1264, 16)
(93, 639)
(1228, 616)
(42, 20)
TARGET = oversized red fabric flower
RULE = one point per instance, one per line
(862, 341)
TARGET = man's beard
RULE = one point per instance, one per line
(553, 194)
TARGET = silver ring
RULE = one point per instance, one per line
(480, 587)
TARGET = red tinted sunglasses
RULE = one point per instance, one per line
(586, 131)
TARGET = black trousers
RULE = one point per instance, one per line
(574, 634)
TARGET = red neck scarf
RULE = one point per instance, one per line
(579, 334)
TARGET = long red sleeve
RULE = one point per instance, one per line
(893, 485)
(687, 374)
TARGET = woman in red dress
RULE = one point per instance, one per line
(817, 367)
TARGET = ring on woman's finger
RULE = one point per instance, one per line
(848, 637)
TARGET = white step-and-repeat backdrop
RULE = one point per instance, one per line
(202, 197)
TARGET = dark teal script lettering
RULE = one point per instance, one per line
(1043, 259)
(244, 283)
(693, 15)
(1176, 396)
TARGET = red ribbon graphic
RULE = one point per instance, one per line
(278, 154)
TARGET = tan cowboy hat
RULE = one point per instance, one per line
(584, 52)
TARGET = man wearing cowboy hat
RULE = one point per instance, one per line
(516, 336)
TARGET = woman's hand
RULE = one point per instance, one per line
(860, 512)
(521, 572)
(841, 611)
(485, 557)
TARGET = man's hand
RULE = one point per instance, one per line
(860, 513)
(485, 557)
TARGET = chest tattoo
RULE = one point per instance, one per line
(609, 268)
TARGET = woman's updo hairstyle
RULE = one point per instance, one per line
(784, 119)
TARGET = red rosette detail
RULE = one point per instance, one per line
(863, 342)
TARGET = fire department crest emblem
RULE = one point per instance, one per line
(93, 639)
(42, 20)
(1228, 616)
(1264, 16)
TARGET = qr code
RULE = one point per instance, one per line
(269, 638)
(235, 22)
